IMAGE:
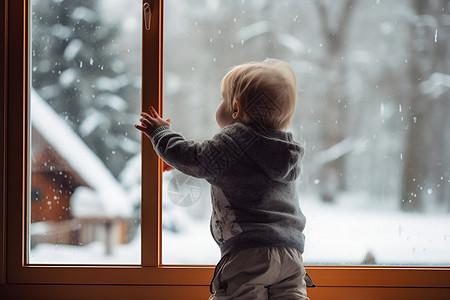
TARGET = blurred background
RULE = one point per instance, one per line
(372, 110)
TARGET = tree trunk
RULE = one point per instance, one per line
(425, 161)
(331, 173)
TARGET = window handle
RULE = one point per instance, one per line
(148, 8)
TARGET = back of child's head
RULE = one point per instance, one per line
(265, 90)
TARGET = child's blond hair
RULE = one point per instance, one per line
(266, 91)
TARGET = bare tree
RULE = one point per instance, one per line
(331, 173)
(425, 156)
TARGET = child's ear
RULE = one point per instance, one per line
(237, 110)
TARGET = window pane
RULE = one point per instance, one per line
(85, 81)
(371, 113)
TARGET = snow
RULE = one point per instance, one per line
(253, 30)
(437, 84)
(67, 77)
(291, 42)
(93, 253)
(84, 13)
(111, 84)
(130, 178)
(347, 145)
(392, 237)
(91, 122)
(110, 198)
(340, 234)
(113, 101)
(61, 31)
(72, 49)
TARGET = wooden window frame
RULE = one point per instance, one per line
(151, 279)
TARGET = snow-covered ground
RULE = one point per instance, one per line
(92, 253)
(343, 233)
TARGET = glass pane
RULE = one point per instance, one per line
(371, 113)
(85, 157)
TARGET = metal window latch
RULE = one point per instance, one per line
(148, 9)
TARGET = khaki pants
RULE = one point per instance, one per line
(260, 273)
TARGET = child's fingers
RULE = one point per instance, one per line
(154, 113)
(139, 127)
(146, 122)
(146, 116)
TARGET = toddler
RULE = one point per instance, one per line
(252, 165)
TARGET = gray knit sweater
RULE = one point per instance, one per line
(252, 173)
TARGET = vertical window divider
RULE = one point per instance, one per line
(151, 175)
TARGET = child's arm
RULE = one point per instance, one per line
(199, 159)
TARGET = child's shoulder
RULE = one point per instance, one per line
(234, 129)
(241, 128)
(235, 133)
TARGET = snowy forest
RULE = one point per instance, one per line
(371, 113)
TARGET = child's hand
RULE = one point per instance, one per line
(151, 121)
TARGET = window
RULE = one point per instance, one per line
(371, 188)
(85, 80)
(154, 276)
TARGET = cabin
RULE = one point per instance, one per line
(56, 182)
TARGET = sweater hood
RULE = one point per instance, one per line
(273, 151)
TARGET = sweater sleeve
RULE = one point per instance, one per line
(206, 159)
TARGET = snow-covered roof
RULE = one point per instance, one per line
(107, 198)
